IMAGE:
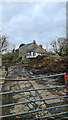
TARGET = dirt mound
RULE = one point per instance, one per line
(49, 64)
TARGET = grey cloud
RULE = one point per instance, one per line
(23, 22)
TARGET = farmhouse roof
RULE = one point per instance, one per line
(26, 46)
(37, 49)
(33, 47)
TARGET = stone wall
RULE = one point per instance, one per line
(22, 52)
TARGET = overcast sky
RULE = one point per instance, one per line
(27, 21)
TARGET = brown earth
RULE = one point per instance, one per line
(44, 65)
(20, 72)
(49, 64)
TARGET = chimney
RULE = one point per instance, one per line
(40, 46)
(34, 42)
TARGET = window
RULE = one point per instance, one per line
(34, 54)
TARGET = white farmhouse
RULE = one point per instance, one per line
(31, 50)
(33, 53)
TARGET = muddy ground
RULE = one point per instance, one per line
(20, 72)
(49, 64)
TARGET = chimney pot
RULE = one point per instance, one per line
(40, 46)
(34, 42)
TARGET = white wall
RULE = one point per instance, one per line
(33, 56)
(31, 53)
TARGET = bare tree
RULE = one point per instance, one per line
(60, 46)
(3, 43)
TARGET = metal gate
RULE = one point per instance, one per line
(39, 98)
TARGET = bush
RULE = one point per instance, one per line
(11, 58)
